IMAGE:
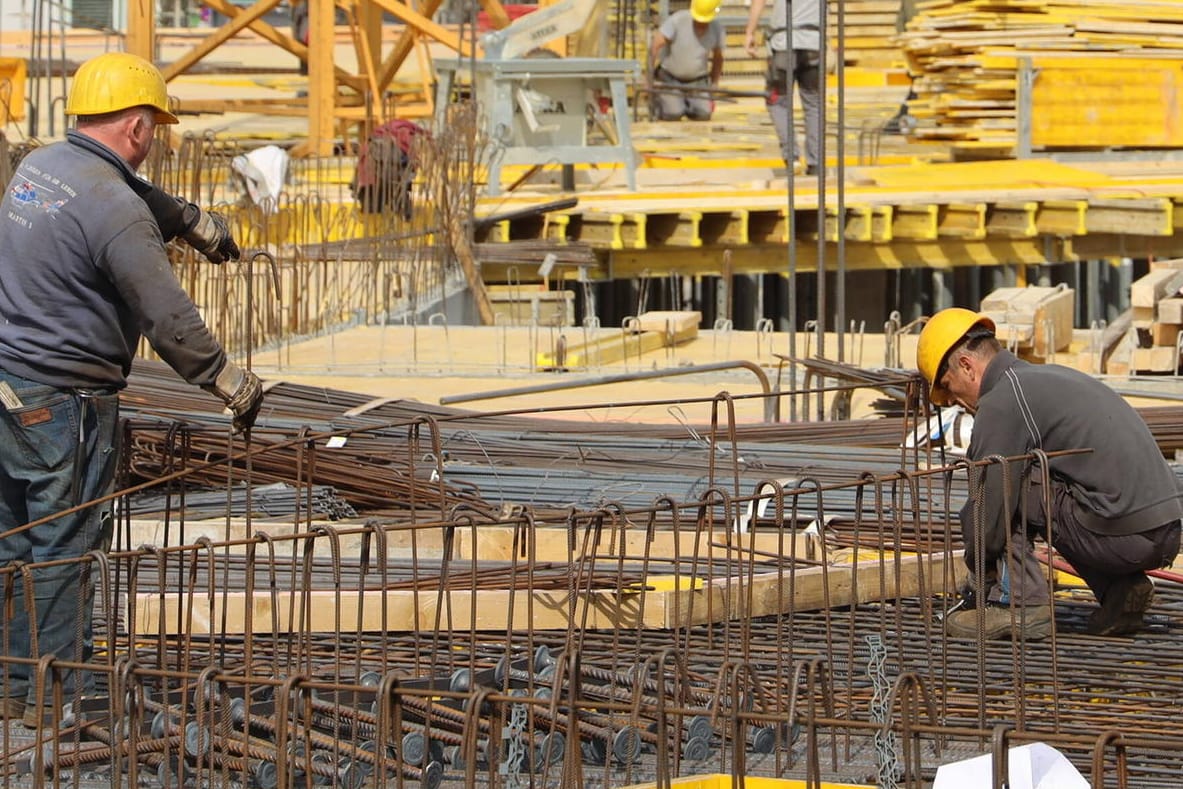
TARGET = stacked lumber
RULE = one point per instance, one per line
(1034, 322)
(868, 31)
(1157, 316)
(965, 57)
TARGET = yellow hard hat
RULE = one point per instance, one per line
(115, 81)
(704, 10)
(940, 335)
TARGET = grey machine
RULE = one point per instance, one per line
(536, 109)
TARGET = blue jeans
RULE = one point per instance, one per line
(57, 450)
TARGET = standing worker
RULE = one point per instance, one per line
(792, 61)
(1115, 510)
(83, 272)
(686, 56)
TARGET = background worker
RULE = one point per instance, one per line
(1115, 511)
(83, 273)
(687, 54)
(792, 59)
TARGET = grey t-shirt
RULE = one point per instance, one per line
(807, 25)
(688, 55)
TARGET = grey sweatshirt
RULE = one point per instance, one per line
(83, 273)
(1123, 486)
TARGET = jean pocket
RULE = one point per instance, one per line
(46, 427)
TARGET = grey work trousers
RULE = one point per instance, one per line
(801, 67)
(674, 103)
(1100, 559)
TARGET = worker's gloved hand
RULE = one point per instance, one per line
(210, 236)
(241, 391)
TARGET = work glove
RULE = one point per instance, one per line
(210, 235)
(241, 391)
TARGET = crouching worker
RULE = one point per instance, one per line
(386, 167)
(1115, 510)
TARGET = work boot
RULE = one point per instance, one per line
(1126, 600)
(12, 707)
(1030, 623)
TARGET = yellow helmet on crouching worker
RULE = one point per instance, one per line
(704, 10)
(116, 81)
(941, 334)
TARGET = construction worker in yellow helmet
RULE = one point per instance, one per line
(84, 266)
(1115, 510)
(116, 81)
(686, 62)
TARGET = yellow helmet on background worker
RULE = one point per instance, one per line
(941, 334)
(116, 81)
(704, 10)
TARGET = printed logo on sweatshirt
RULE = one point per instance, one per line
(27, 195)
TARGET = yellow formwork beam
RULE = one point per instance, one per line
(899, 254)
(1012, 219)
(859, 224)
(556, 227)
(1062, 217)
(1150, 217)
(962, 220)
(683, 229)
(920, 222)
(602, 229)
(726, 228)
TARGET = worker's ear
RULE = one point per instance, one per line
(140, 127)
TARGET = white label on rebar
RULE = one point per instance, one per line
(336, 442)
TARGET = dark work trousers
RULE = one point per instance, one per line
(1100, 559)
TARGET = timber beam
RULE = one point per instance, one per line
(696, 601)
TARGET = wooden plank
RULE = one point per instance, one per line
(681, 323)
(606, 349)
(1156, 359)
(1142, 317)
(714, 600)
(1170, 310)
(1155, 285)
(499, 543)
(1164, 334)
(1036, 319)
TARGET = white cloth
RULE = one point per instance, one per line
(265, 171)
(1034, 766)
